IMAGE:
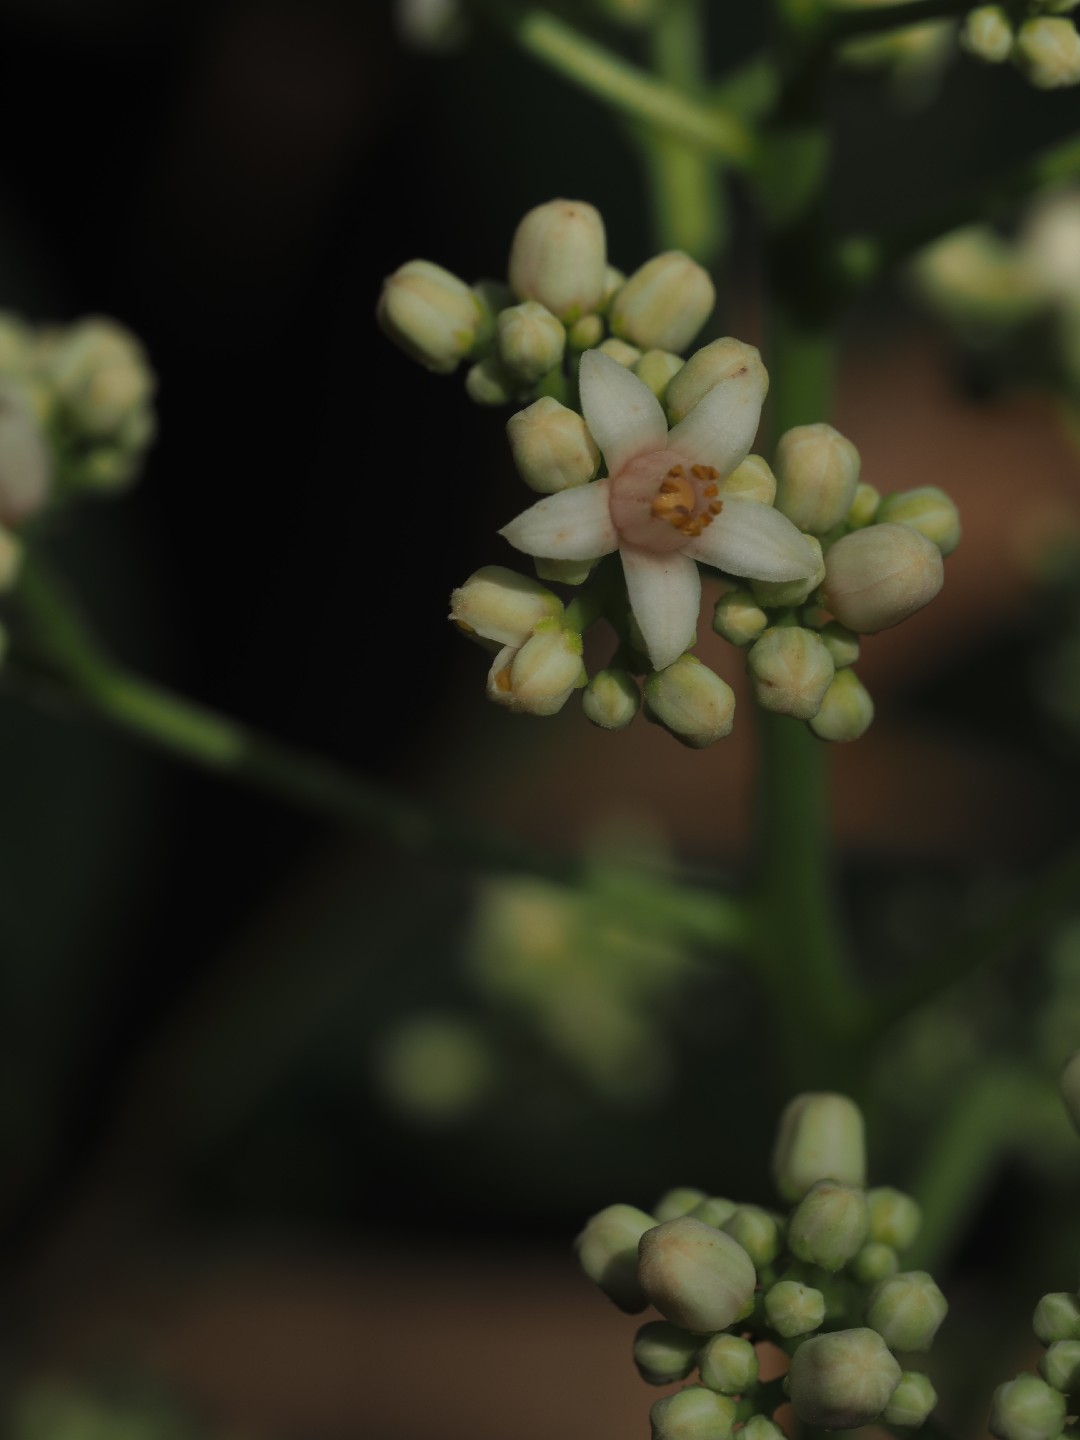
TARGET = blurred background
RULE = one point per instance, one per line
(296, 1134)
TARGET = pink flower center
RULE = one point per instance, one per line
(658, 505)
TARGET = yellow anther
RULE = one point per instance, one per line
(704, 472)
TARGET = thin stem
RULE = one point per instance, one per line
(623, 86)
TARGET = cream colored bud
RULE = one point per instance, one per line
(501, 605)
(1047, 53)
(792, 1308)
(552, 447)
(1050, 239)
(719, 360)
(15, 344)
(690, 701)
(820, 1138)
(842, 1380)
(679, 1200)
(847, 710)
(928, 510)
(620, 351)
(752, 480)
(607, 1250)
(487, 383)
(830, 1225)
(559, 258)
(538, 678)
(864, 506)
(781, 594)
(11, 554)
(656, 369)
(973, 277)
(664, 304)
(1027, 1408)
(907, 1310)
(25, 461)
(696, 1276)
(876, 577)
(817, 470)
(912, 1401)
(739, 618)
(585, 333)
(611, 699)
(430, 314)
(715, 1210)
(529, 340)
(988, 34)
(695, 1413)
(841, 644)
(790, 670)
(614, 280)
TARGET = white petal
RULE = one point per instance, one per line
(720, 429)
(572, 525)
(665, 596)
(752, 539)
(623, 415)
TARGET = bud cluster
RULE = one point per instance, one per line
(823, 1283)
(1040, 41)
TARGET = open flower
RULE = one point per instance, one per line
(660, 504)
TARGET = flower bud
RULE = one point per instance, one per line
(756, 1231)
(499, 604)
(663, 1353)
(692, 1414)
(1047, 53)
(494, 297)
(435, 25)
(656, 369)
(559, 257)
(790, 670)
(738, 617)
(585, 333)
(714, 1210)
(696, 1276)
(552, 447)
(728, 1364)
(988, 34)
(841, 644)
(864, 506)
(664, 303)
(690, 701)
(620, 351)
(817, 470)
(906, 1310)
(1070, 1089)
(895, 1218)
(530, 341)
(760, 1427)
(487, 383)
(719, 360)
(539, 678)
(11, 554)
(876, 577)
(678, 1201)
(607, 1250)
(976, 280)
(614, 280)
(16, 342)
(847, 710)
(820, 1138)
(25, 462)
(1027, 1408)
(430, 314)
(611, 699)
(1057, 1317)
(794, 1309)
(912, 1402)
(843, 1379)
(782, 594)
(928, 510)
(1060, 1366)
(875, 1262)
(752, 480)
(564, 572)
(830, 1225)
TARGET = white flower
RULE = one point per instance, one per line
(660, 505)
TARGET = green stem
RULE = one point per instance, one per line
(625, 87)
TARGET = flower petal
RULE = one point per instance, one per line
(665, 596)
(720, 429)
(623, 415)
(572, 525)
(752, 539)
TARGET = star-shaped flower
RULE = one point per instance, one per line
(660, 504)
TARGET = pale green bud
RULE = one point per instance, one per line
(11, 554)
(875, 1262)
(559, 257)
(15, 343)
(538, 678)
(876, 577)
(487, 383)
(719, 360)
(988, 34)
(435, 1068)
(530, 341)
(692, 1414)
(691, 701)
(752, 480)
(494, 296)
(973, 276)
(738, 617)
(664, 303)
(611, 699)
(656, 369)
(728, 1364)
(830, 1225)
(695, 1275)
(501, 605)
(847, 709)
(843, 1379)
(817, 470)
(757, 1232)
(794, 1309)
(1027, 1408)
(1070, 1089)
(1047, 53)
(25, 462)
(820, 1138)
(585, 333)
(912, 1402)
(841, 644)
(552, 447)
(614, 280)
(782, 594)
(1057, 1317)
(864, 506)
(430, 314)
(101, 374)
(620, 351)
(678, 1201)
(790, 670)
(895, 1218)
(714, 1210)
(563, 572)
(928, 510)
(607, 1250)
(1060, 1366)
(663, 1353)
(760, 1427)
(906, 1310)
